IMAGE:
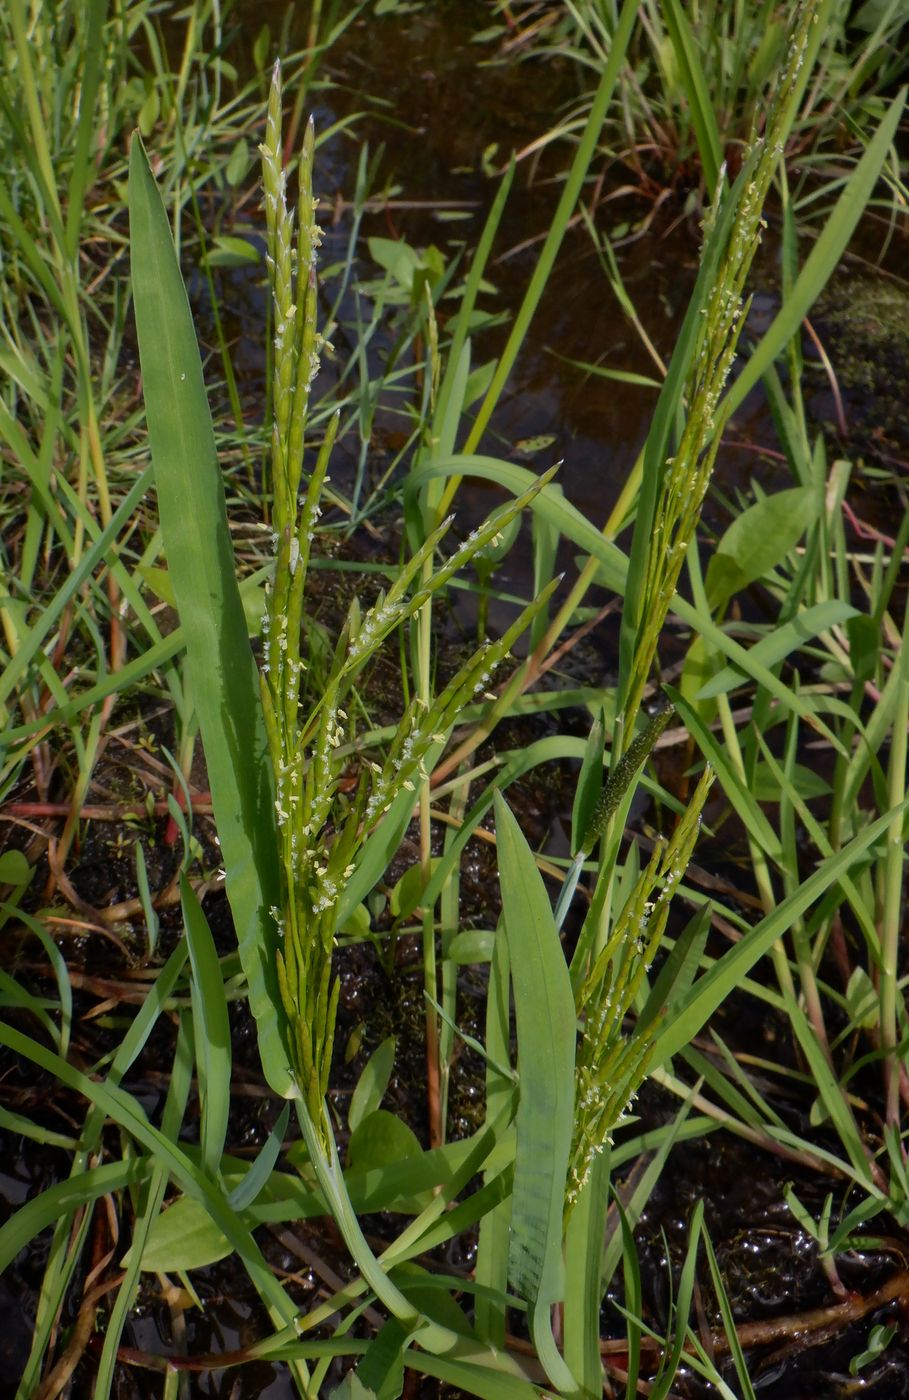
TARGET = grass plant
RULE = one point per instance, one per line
(314, 799)
(696, 82)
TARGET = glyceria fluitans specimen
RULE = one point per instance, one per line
(320, 828)
(685, 476)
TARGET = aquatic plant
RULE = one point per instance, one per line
(694, 89)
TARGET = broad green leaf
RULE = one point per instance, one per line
(396, 256)
(14, 869)
(183, 1237)
(757, 540)
(407, 894)
(352, 1388)
(371, 1086)
(203, 572)
(474, 945)
(379, 1140)
(227, 251)
(382, 1368)
(238, 163)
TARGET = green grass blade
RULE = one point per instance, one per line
(734, 786)
(66, 1196)
(831, 1093)
(545, 1019)
(821, 261)
(485, 1382)
(780, 642)
(128, 1114)
(675, 977)
(746, 1389)
(492, 1250)
(727, 972)
(634, 1301)
(201, 563)
(451, 394)
(584, 1278)
(246, 1192)
(566, 207)
(696, 90)
(212, 1030)
(147, 1212)
(681, 1312)
(16, 669)
(548, 503)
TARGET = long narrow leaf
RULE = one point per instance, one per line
(545, 1018)
(696, 90)
(212, 1030)
(822, 260)
(201, 562)
(727, 972)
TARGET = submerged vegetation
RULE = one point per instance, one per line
(735, 848)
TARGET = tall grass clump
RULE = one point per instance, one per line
(622, 931)
(332, 842)
(320, 834)
(696, 86)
